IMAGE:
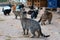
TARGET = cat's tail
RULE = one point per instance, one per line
(43, 34)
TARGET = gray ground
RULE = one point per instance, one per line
(10, 28)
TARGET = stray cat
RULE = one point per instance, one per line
(30, 24)
(16, 9)
(46, 16)
(16, 13)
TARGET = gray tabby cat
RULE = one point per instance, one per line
(29, 24)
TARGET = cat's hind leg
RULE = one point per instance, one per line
(33, 33)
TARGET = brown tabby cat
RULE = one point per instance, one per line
(46, 16)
